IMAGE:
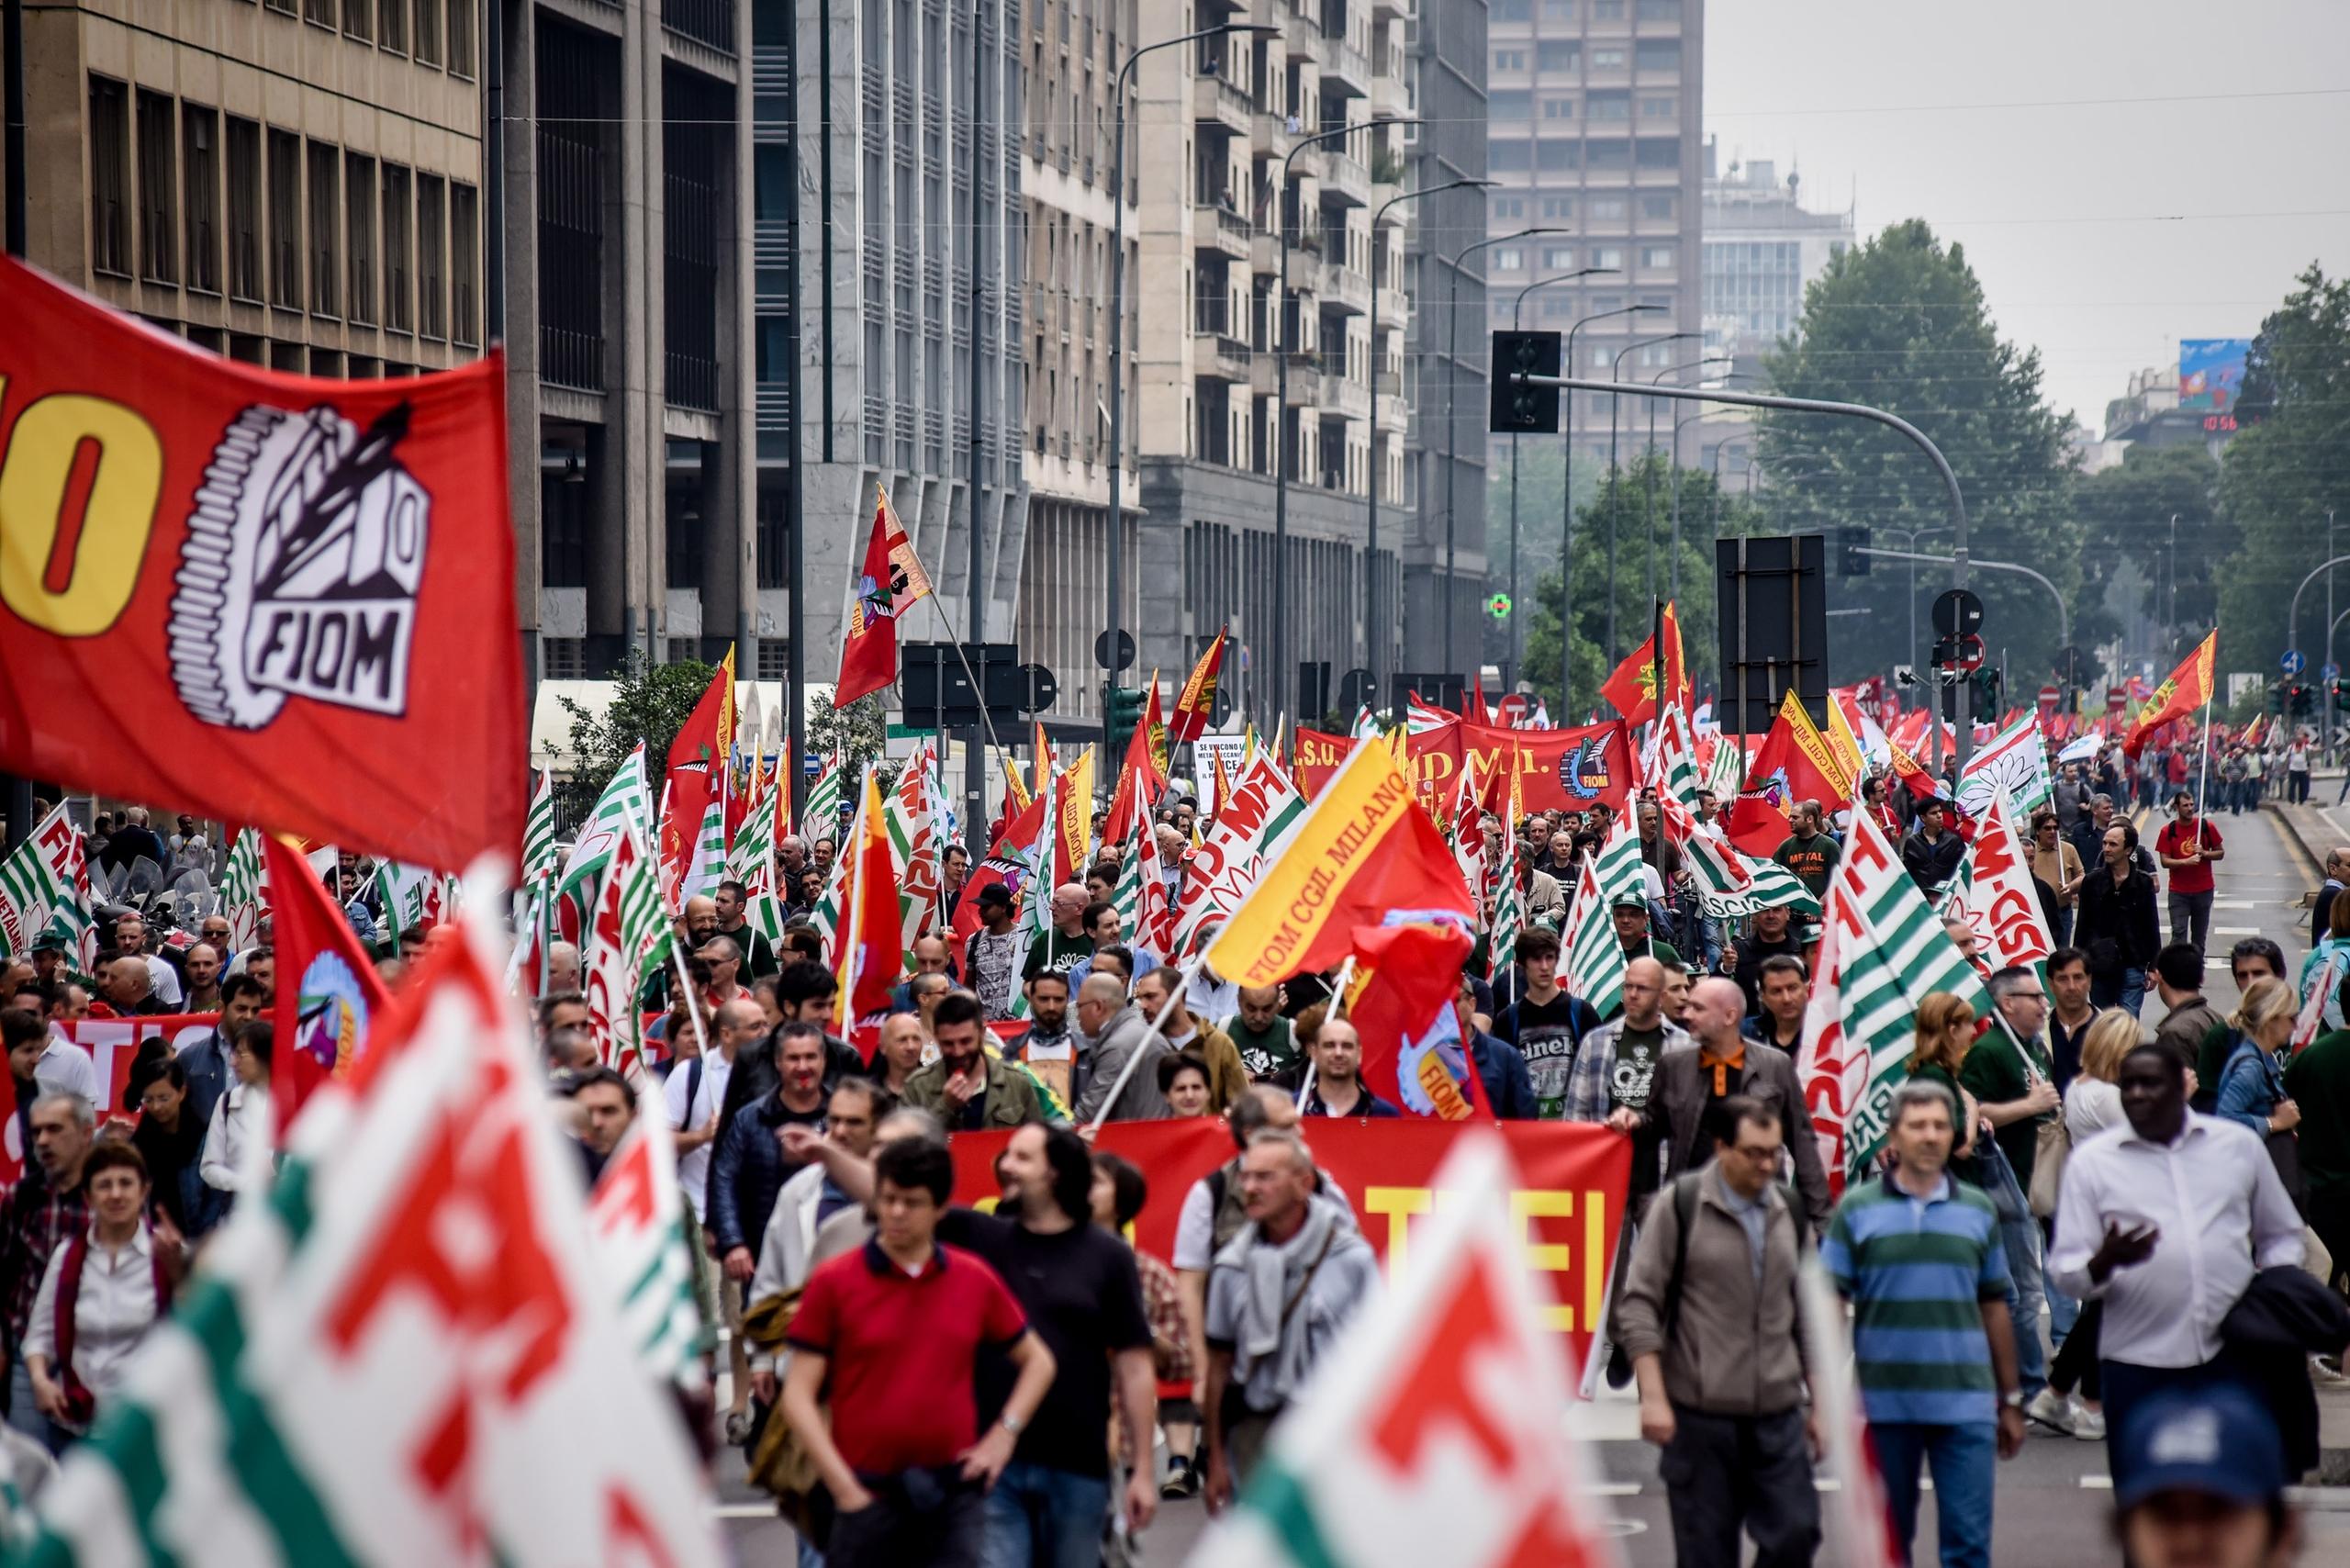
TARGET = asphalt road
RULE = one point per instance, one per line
(2053, 1505)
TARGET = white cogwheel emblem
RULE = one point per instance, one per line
(304, 557)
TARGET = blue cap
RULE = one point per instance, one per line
(2216, 1439)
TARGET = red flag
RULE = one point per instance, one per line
(873, 953)
(1473, 701)
(1193, 708)
(1138, 779)
(1633, 689)
(1794, 762)
(289, 591)
(891, 583)
(693, 816)
(2187, 688)
(1002, 866)
(328, 991)
(12, 1134)
(1406, 978)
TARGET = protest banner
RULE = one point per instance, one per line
(113, 1044)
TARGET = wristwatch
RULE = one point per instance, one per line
(2013, 1399)
(1013, 1424)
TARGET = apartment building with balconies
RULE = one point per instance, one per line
(1225, 166)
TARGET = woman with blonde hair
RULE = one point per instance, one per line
(1944, 1028)
(2071, 1402)
(2252, 1085)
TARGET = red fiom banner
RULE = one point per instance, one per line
(112, 1045)
(257, 597)
(1571, 1182)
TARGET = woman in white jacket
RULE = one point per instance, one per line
(241, 1119)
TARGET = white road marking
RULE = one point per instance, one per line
(2096, 1482)
(744, 1511)
(2235, 931)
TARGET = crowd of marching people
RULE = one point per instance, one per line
(2083, 1223)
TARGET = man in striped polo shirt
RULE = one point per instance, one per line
(1918, 1253)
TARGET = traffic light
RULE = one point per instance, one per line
(1527, 411)
(2341, 695)
(2302, 699)
(1986, 681)
(1850, 543)
(1125, 706)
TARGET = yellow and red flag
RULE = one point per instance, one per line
(1401, 1005)
(1794, 762)
(1633, 689)
(1197, 700)
(2187, 688)
(872, 955)
(891, 583)
(1075, 849)
(1154, 725)
(1365, 855)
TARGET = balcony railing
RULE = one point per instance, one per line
(708, 22)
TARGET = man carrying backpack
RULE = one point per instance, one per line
(1708, 1318)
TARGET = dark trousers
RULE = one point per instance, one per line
(2329, 1215)
(2278, 1380)
(2191, 918)
(2075, 1368)
(1725, 1472)
(921, 1518)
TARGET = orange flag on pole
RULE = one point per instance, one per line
(1193, 707)
(1633, 689)
(891, 583)
(873, 953)
(2189, 687)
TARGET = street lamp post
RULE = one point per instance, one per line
(1517, 633)
(1116, 560)
(1375, 630)
(1285, 347)
(1452, 421)
(1566, 502)
(1647, 479)
(1615, 373)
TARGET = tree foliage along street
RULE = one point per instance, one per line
(649, 705)
(2288, 465)
(1641, 499)
(1899, 323)
(2125, 515)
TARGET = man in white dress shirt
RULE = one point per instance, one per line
(2166, 1220)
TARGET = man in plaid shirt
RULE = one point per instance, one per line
(40, 1212)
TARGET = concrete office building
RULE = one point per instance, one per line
(1761, 249)
(1445, 41)
(1215, 123)
(1594, 112)
(1074, 49)
(290, 182)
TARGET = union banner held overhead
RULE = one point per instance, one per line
(1365, 849)
(257, 597)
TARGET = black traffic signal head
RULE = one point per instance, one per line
(1517, 407)
(1850, 543)
(1125, 711)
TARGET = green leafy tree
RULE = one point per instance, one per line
(650, 703)
(857, 732)
(2125, 514)
(1899, 323)
(2287, 468)
(1639, 502)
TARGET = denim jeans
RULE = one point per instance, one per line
(2064, 1312)
(2126, 991)
(25, 1416)
(1040, 1518)
(2020, 1239)
(1963, 1459)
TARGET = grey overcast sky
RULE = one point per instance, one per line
(2123, 173)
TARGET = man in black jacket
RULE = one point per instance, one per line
(2116, 927)
(1932, 853)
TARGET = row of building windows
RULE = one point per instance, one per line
(1554, 56)
(1517, 103)
(1559, 155)
(1654, 206)
(228, 205)
(1598, 10)
(439, 33)
(1557, 258)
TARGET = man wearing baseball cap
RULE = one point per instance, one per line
(1630, 913)
(2199, 1482)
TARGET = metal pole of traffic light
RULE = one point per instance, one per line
(1567, 510)
(1908, 432)
(1517, 636)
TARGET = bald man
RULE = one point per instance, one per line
(1066, 945)
(563, 968)
(697, 923)
(1690, 1083)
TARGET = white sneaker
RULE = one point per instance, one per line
(2087, 1425)
(2050, 1408)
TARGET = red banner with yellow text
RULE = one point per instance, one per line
(1572, 1179)
(112, 1045)
(295, 596)
(1554, 770)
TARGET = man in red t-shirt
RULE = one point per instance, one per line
(896, 1329)
(2189, 846)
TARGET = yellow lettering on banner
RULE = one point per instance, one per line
(1548, 1257)
(36, 477)
(1398, 1205)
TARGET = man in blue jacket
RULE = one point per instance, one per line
(750, 1167)
(1500, 1066)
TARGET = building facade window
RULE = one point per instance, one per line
(159, 186)
(326, 225)
(244, 148)
(464, 263)
(286, 220)
(399, 262)
(358, 209)
(428, 34)
(200, 195)
(432, 256)
(109, 177)
(1554, 55)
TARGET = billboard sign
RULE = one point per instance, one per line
(2210, 372)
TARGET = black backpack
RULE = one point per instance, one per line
(1684, 1215)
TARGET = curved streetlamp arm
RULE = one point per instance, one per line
(2293, 619)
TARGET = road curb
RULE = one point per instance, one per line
(2311, 861)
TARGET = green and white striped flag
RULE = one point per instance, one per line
(44, 889)
(1882, 952)
(244, 889)
(400, 1349)
(2016, 761)
(639, 1218)
(539, 862)
(822, 818)
(1249, 835)
(1509, 903)
(751, 860)
(625, 800)
(1731, 884)
(1594, 953)
(1034, 926)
